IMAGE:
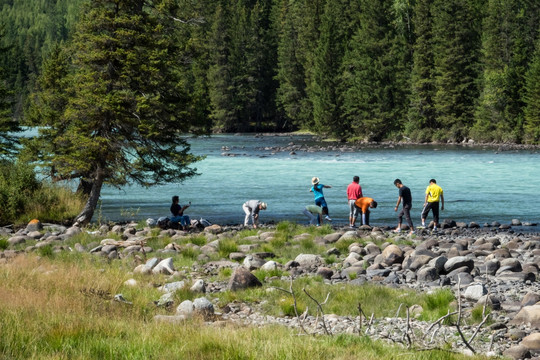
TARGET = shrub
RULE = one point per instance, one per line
(3, 244)
(24, 197)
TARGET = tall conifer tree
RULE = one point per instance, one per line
(422, 116)
(8, 124)
(532, 99)
(456, 39)
(121, 122)
(336, 28)
(508, 44)
(376, 73)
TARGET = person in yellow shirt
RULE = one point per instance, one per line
(434, 195)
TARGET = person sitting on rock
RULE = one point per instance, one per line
(178, 219)
(365, 203)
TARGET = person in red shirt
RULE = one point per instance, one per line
(354, 192)
(365, 203)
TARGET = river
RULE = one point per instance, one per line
(480, 183)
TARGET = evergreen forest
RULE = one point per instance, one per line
(353, 70)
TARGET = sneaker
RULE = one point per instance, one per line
(327, 218)
(352, 226)
(397, 230)
(412, 232)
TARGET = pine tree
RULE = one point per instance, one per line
(48, 103)
(456, 39)
(120, 123)
(223, 112)
(532, 99)
(324, 90)
(291, 93)
(422, 116)
(376, 73)
(8, 125)
(508, 38)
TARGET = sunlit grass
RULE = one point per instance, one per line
(61, 307)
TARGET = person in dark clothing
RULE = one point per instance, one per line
(178, 218)
(405, 198)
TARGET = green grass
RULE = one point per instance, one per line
(60, 307)
(437, 305)
(227, 246)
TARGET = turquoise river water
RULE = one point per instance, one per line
(480, 184)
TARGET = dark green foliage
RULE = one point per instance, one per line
(508, 45)
(17, 184)
(376, 73)
(8, 124)
(422, 116)
(456, 44)
(532, 99)
(31, 30)
(124, 105)
(370, 70)
(23, 196)
(242, 56)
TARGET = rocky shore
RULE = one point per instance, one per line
(491, 266)
(298, 146)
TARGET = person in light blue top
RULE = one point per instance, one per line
(317, 190)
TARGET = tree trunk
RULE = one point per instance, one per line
(85, 187)
(88, 211)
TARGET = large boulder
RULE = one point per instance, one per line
(164, 267)
(253, 262)
(458, 262)
(18, 239)
(392, 254)
(172, 287)
(242, 278)
(427, 274)
(530, 299)
(528, 314)
(331, 238)
(308, 260)
(34, 225)
(203, 306)
(532, 342)
(475, 292)
(517, 352)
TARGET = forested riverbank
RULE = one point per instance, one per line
(367, 70)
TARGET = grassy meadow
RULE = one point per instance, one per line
(58, 305)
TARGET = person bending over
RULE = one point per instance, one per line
(252, 208)
(314, 213)
(365, 203)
